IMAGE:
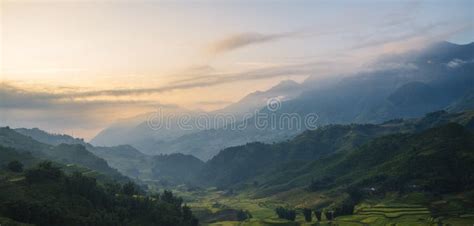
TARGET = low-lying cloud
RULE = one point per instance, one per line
(455, 63)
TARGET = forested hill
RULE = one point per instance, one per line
(273, 164)
(45, 196)
(64, 153)
(423, 161)
(174, 168)
(75, 187)
(409, 84)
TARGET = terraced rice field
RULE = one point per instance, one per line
(393, 211)
(211, 202)
(367, 215)
(389, 214)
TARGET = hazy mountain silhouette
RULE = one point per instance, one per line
(395, 86)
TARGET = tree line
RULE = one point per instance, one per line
(48, 196)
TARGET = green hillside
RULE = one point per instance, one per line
(22, 143)
(396, 172)
(274, 163)
(398, 162)
(45, 195)
(66, 154)
(176, 168)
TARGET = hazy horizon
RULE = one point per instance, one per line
(75, 67)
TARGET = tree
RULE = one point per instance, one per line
(307, 215)
(255, 183)
(188, 218)
(344, 208)
(329, 215)
(291, 215)
(45, 171)
(168, 197)
(129, 188)
(284, 213)
(15, 166)
(94, 204)
(243, 215)
(317, 213)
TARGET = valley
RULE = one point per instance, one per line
(236, 113)
(395, 172)
(213, 206)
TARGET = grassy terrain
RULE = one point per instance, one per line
(211, 201)
(211, 206)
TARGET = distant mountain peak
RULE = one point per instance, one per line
(284, 85)
(447, 46)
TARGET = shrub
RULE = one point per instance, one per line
(329, 215)
(307, 215)
(129, 188)
(317, 213)
(45, 171)
(285, 213)
(15, 166)
(243, 215)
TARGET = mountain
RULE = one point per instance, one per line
(236, 166)
(170, 169)
(138, 133)
(22, 143)
(348, 168)
(48, 138)
(400, 86)
(464, 103)
(124, 158)
(285, 90)
(406, 85)
(45, 195)
(63, 153)
(422, 161)
(9, 154)
(78, 154)
(176, 168)
(339, 164)
(421, 82)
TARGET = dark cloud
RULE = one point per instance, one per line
(244, 39)
(203, 80)
(13, 97)
(59, 112)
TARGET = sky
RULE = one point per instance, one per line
(76, 66)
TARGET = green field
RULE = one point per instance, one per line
(211, 205)
(214, 201)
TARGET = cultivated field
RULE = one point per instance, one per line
(215, 207)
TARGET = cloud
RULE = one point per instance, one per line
(395, 36)
(455, 63)
(207, 76)
(217, 102)
(198, 81)
(237, 41)
(57, 112)
(13, 97)
(419, 36)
